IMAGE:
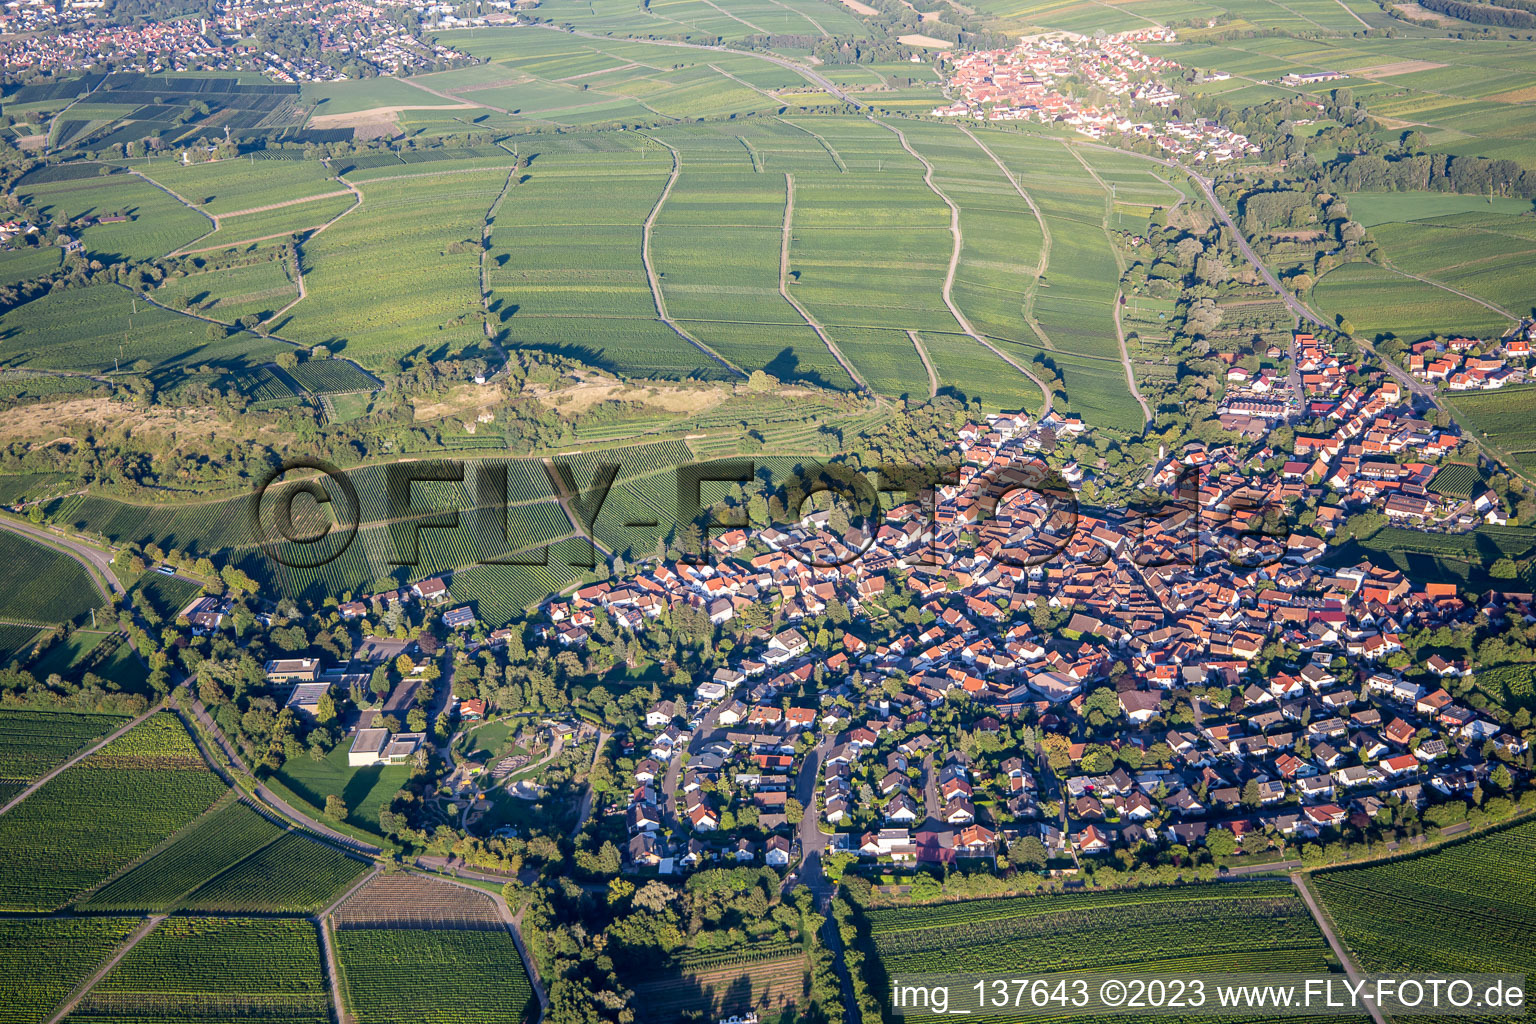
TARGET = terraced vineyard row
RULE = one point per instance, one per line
(433, 976)
(1479, 894)
(46, 959)
(1227, 927)
(102, 813)
(32, 742)
(295, 875)
(220, 840)
(211, 969)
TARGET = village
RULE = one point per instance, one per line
(356, 32)
(1044, 78)
(1035, 625)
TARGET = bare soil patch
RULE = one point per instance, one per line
(377, 115)
(1402, 67)
(927, 42)
(859, 8)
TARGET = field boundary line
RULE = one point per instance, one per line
(1045, 243)
(77, 758)
(650, 268)
(789, 216)
(836, 158)
(954, 263)
(1125, 354)
(933, 378)
(328, 947)
(212, 217)
(84, 988)
(1390, 267)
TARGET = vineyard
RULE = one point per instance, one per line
(411, 901)
(296, 874)
(1457, 480)
(770, 986)
(42, 585)
(333, 376)
(1468, 907)
(32, 742)
(422, 976)
(1237, 926)
(212, 969)
(168, 595)
(46, 959)
(102, 813)
(218, 841)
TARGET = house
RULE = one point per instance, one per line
(431, 590)
(472, 709)
(776, 852)
(462, 617)
(643, 851)
(305, 698)
(293, 670)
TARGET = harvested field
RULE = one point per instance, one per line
(1402, 67)
(411, 901)
(767, 986)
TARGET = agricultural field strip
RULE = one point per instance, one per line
(70, 762)
(954, 260)
(650, 268)
(789, 216)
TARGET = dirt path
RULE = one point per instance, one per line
(485, 246)
(298, 261)
(281, 205)
(457, 100)
(85, 987)
(789, 216)
(87, 752)
(650, 268)
(586, 798)
(328, 947)
(922, 353)
(1045, 241)
(563, 498)
(954, 262)
(1387, 265)
(1326, 926)
(212, 219)
(92, 558)
(1125, 353)
(1125, 357)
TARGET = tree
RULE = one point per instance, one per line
(325, 708)
(1503, 569)
(1251, 795)
(1027, 852)
(335, 808)
(794, 810)
(1221, 842)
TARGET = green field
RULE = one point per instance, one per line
(1380, 303)
(1478, 894)
(46, 959)
(397, 976)
(41, 584)
(68, 653)
(102, 813)
(1503, 417)
(1248, 926)
(365, 790)
(32, 742)
(1373, 208)
(211, 969)
(219, 840)
(296, 874)
(103, 327)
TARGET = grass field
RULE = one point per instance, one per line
(157, 223)
(62, 657)
(396, 976)
(1373, 208)
(1503, 418)
(41, 584)
(365, 790)
(102, 813)
(211, 969)
(46, 959)
(1471, 891)
(259, 289)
